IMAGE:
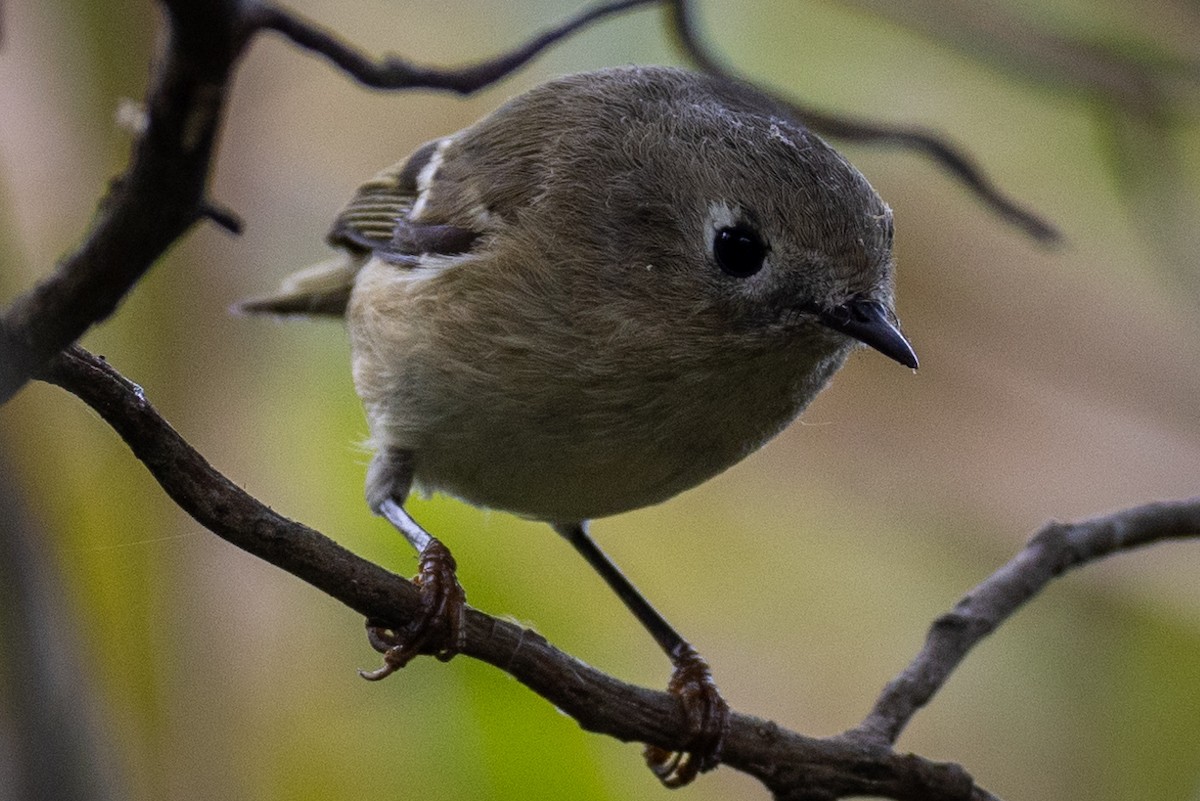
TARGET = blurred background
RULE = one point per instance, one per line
(144, 658)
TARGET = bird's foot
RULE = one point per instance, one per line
(707, 716)
(437, 629)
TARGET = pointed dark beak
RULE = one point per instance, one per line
(869, 321)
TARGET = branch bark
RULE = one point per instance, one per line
(156, 200)
(791, 765)
(859, 762)
(396, 73)
(1054, 550)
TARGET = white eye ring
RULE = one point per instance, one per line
(721, 214)
(736, 246)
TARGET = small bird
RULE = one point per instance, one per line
(604, 293)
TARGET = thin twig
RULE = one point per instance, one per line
(396, 73)
(222, 216)
(1057, 548)
(837, 126)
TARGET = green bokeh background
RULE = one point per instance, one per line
(1055, 383)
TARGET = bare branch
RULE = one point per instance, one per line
(1057, 548)
(837, 126)
(148, 208)
(222, 217)
(396, 73)
(791, 765)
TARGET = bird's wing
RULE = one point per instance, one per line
(376, 222)
(407, 211)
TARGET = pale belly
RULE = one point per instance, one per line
(565, 429)
(580, 456)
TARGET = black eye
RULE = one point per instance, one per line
(739, 251)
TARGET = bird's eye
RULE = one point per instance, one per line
(739, 250)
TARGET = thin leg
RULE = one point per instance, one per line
(394, 513)
(691, 681)
(437, 629)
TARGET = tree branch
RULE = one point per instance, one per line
(858, 762)
(149, 207)
(396, 73)
(837, 126)
(1054, 550)
(791, 765)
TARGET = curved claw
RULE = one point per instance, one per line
(438, 627)
(708, 719)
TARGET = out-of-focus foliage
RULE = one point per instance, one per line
(1054, 383)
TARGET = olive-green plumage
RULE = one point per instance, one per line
(609, 290)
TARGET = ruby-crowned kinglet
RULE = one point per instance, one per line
(609, 290)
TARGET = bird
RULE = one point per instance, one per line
(605, 292)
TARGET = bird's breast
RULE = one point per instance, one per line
(510, 410)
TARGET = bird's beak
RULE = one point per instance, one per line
(869, 321)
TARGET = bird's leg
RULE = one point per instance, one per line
(437, 629)
(691, 682)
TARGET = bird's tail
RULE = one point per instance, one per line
(322, 290)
